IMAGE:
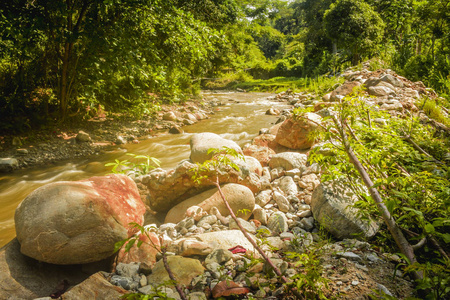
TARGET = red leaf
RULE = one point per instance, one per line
(237, 249)
(228, 288)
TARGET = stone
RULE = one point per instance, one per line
(124, 282)
(293, 172)
(260, 214)
(83, 137)
(343, 90)
(95, 287)
(176, 130)
(249, 227)
(80, 221)
(120, 140)
(146, 253)
(282, 202)
(208, 219)
(395, 81)
(393, 106)
(170, 116)
(191, 246)
(296, 134)
(349, 256)
(287, 185)
(331, 205)
(304, 214)
(273, 112)
(326, 97)
(202, 142)
(409, 92)
(261, 153)
(168, 188)
(253, 165)
(288, 160)
(22, 152)
(219, 256)
(309, 182)
(307, 223)
(379, 88)
(8, 164)
(184, 269)
(238, 196)
(277, 222)
(197, 296)
(225, 239)
(22, 277)
(190, 117)
(170, 293)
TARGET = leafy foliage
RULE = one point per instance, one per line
(143, 165)
(414, 186)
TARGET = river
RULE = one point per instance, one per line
(240, 120)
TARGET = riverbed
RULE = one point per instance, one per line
(239, 119)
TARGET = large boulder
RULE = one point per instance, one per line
(202, 142)
(238, 196)
(331, 205)
(168, 188)
(296, 134)
(379, 88)
(95, 287)
(78, 222)
(8, 164)
(22, 277)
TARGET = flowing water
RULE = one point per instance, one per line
(239, 120)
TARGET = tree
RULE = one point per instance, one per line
(354, 25)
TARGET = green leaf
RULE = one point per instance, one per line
(119, 245)
(390, 204)
(429, 228)
(130, 244)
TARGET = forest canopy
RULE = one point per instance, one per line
(59, 59)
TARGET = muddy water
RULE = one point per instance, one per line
(240, 120)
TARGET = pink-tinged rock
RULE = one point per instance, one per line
(296, 134)
(146, 253)
(261, 153)
(78, 222)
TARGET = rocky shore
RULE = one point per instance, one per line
(308, 229)
(96, 135)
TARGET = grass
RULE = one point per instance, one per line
(434, 111)
(319, 85)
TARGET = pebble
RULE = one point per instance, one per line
(349, 256)
(355, 282)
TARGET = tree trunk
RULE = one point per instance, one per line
(63, 100)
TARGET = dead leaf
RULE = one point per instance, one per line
(228, 288)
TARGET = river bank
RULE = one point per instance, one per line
(103, 132)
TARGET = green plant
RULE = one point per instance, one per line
(432, 110)
(408, 186)
(309, 279)
(144, 164)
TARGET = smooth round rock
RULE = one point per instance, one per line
(78, 222)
